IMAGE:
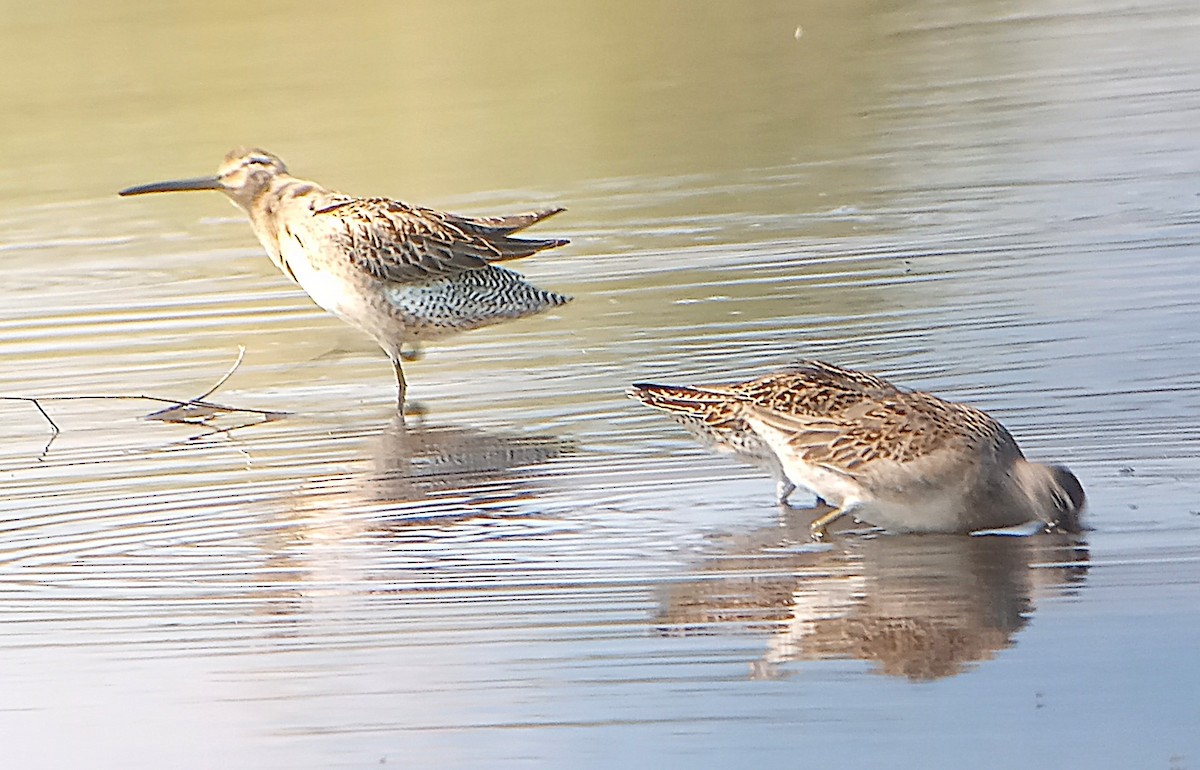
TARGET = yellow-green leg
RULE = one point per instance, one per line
(403, 406)
(821, 523)
(401, 385)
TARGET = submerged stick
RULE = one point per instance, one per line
(37, 405)
(193, 411)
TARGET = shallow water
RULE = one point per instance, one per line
(996, 202)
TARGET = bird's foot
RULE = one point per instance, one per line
(414, 410)
(415, 353)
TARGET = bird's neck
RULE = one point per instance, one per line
(282, 192)
(1033, 489)
(274, 202)
(272, 206)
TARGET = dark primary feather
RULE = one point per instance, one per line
(512, 223)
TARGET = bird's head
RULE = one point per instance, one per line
(1055, 493)
(243, 176)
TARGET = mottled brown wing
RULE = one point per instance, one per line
(889, 430)
(815, 389)
(842, 419)
(393, 241)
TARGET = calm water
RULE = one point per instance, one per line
(995, 201)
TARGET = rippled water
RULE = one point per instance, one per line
(996, 202)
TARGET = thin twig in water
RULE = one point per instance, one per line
(54, 430)
(30, 400)
(241, 354)
(192, 411)
(197, 410)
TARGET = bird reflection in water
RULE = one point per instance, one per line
(419, 462)
(418, 473)
(922, 607)
(410, 494)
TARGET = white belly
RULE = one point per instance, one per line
(336, 296)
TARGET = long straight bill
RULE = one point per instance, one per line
(176, 185)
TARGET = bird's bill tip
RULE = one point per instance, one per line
(174, 185)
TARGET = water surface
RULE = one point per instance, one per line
(996, 202)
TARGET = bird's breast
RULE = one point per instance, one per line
(330, 283)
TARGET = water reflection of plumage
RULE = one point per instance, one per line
(411, 483)
(921, 607)
(415, 463)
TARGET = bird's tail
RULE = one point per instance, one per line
(677, 398)
(497, 231)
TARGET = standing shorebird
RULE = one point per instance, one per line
(400, 273)
(902, 460)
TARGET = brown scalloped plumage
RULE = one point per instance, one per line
(400, 273)
(902, 460)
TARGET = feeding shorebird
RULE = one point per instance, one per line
(901, 460)
(400, 273)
